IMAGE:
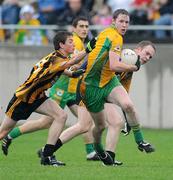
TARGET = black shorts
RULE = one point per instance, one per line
(19, 110)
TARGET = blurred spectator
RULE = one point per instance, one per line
(119, 4)
(98, 4)
(2, 36)
(10, 15)
(88, 4)
(140, 13)
(153, 11)
(166, 18)
(10, 12)
(36, 15)
(103, 16)
(29, 37)
(50, 9)
(73, 10)
(141, 3)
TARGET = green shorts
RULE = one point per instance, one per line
(62, 97)
(95, 97)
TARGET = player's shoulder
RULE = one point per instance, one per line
(79, 45)
(77, 39)
(111, 33)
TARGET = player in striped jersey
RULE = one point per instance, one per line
(30, 96)
(64, 93)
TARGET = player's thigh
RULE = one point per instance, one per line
(84, 117)
(113, 116)
(119, 96)
(52, 109)
(74, 109)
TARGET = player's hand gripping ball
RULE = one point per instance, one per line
(129, 56)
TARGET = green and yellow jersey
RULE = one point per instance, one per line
(64, 82)
(98, 72)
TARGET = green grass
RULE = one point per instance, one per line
(22, 162)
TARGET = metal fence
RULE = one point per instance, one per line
(92, 27)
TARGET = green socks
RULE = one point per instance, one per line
(99, 148)
(89, 148)
(137, 134)
(14, 133)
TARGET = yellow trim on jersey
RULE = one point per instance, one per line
(12, 108)
(46, 71)
(79, 46)
(98, 72)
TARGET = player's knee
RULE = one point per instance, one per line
(62, 116)
(46, 123)
(83, 127)
(119, 123)
(128, 107)
(101, 127)
(86, 128)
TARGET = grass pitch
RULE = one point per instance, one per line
(23, 163)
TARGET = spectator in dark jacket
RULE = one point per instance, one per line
(50, 9)
(10, 12)
(10, 15)
(166, 18)
(73, 10)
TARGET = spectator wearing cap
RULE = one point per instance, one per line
(28, 36)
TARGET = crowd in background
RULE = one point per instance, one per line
(62, 13)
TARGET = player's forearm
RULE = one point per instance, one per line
(67, 72)
(76, 59)
(117, 66)
(121, 67)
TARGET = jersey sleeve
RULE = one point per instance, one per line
(117, 44)
(59, 65)
(79, 46)
(126, 79)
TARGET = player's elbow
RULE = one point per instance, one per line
(112, 67)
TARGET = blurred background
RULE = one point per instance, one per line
(27, 28)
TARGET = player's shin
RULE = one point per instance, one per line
(142, 145)
(58, 145)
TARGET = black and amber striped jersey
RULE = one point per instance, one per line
(43, 75)
(125, 79)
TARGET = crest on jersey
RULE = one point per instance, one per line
(59, 92)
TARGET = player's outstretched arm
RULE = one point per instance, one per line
(78, 57)
(74, 74)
